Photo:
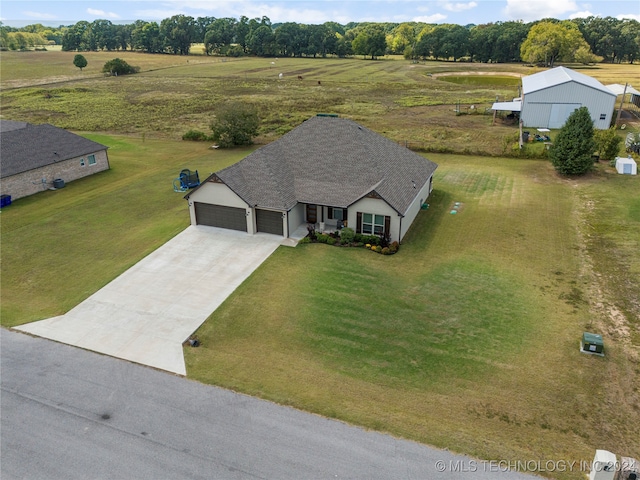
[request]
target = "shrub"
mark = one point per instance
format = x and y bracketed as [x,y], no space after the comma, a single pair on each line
[236,123]
[386,251]
[331,241]
[385,240]
[358,237]
[359,244]
[305,240]
[608,143]
[118,66]
[347,235]
[195,136]
[371,239]
[323,237]
[394,247]
[378,249]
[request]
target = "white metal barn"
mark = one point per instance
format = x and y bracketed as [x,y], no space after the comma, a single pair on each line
[549,98]
[626,166]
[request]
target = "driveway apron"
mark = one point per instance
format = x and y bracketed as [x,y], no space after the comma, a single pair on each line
[145,314]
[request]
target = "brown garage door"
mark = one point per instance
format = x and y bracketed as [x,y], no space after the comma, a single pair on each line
[268,221]
[221,216]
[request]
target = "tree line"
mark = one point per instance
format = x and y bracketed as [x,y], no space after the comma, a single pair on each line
[585,40]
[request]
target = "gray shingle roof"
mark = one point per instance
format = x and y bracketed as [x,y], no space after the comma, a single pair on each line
[24,147]
[328,161]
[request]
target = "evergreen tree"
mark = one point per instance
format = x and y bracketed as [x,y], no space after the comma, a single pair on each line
[571,151]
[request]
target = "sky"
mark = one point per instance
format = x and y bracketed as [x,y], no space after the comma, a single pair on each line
[18,13]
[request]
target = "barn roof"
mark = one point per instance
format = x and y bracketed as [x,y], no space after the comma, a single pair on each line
[24,146]
[619,89]
[328,161]
[558,76]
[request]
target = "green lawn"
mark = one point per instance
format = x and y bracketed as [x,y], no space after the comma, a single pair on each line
[59,247]
[466,339]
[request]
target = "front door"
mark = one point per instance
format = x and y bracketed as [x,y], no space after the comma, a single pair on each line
[312,213]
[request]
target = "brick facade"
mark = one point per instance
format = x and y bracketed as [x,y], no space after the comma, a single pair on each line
[31,181]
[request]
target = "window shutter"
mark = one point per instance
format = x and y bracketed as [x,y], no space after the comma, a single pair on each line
[387,225]
[330,213]
[359,222]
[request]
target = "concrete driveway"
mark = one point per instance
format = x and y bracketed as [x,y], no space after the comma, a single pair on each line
[146,313]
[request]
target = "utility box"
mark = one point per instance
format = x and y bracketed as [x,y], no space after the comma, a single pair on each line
[626,166]
[629,469]
[592,343]
[604,466]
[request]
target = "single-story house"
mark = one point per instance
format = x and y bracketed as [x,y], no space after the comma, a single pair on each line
[549,97]
[626,166]
[327,172]
[32,157]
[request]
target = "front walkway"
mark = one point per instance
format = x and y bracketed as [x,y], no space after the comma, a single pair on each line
[146,313]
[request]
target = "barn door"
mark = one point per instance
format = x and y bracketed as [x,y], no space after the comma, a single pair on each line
[560,112]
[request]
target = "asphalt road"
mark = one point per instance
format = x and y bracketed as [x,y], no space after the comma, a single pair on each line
[68,413]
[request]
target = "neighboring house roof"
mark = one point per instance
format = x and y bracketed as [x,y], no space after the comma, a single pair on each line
[25,147]
[619,89]
[558,76]
[8,125]
[328,161]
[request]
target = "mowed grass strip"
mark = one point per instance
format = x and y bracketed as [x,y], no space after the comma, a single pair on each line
[59,247]
[466,339]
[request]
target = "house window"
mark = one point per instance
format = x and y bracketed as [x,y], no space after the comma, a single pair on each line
[92,159]
[336,214]
[372,224]
[603,116]
[82,162]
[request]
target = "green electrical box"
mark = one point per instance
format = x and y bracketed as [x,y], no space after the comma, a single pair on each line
[592,343]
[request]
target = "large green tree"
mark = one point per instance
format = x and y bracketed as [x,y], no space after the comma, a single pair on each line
[497,42]
[178,33]
[572,150]
[235,124]
[371,40]
[549,41]
[145,36]
[219,35]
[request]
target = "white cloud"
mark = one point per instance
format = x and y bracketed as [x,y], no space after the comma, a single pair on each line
[528,10]
[40,15]
[102,14]
[584,14]
[277,12]
[435,18]
[630,16]
[459,7]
